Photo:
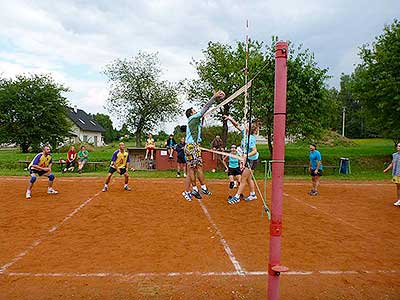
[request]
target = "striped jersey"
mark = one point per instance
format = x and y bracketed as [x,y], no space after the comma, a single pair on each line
[120,159]
[41,160]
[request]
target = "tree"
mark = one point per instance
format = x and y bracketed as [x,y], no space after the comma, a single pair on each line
[218,70]
[138,96]
[33,111]
[222,69]
[111,134]
[377,81]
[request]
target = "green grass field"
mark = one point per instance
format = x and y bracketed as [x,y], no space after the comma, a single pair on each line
[368,158]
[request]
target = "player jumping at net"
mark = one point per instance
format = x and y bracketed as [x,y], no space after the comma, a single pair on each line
[41,166]
[120,164]
[395,166]
[250,157]
[193,152]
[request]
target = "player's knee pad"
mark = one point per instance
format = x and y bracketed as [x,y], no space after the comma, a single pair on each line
[231,184]
[51,177]
[33,179]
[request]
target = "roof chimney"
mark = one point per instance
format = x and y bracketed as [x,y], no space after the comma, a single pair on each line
[75,109]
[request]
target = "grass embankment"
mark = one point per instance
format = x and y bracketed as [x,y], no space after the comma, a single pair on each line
[368,158]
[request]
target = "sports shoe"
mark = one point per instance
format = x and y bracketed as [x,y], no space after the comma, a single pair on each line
[233,200]
[250,198]
[311,192]
[196,194]
[52,191]
[314,193]
[206,192]
[105,189]
[187,196]
[178,175]
[397,203]
[127,188]
[184,175]
[28,195]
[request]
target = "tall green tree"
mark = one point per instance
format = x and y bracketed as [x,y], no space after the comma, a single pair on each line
[138,96]
[111,134]
[222,68]
[377,81]
[33,111]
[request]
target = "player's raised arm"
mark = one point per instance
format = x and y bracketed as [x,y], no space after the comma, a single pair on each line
[218,95]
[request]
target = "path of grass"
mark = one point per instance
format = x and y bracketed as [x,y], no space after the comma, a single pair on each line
[368,158]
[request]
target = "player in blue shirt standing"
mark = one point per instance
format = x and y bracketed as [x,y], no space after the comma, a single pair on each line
[315,169]
[395,166]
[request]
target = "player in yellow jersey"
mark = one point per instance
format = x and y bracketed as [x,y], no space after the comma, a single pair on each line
[39,166]
[120,164]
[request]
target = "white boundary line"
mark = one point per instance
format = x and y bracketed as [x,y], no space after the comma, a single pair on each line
[361,232]
[322,211]
[201,274]
[50,231]
[235,262]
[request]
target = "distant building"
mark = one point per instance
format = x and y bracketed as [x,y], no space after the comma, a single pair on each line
[85,128]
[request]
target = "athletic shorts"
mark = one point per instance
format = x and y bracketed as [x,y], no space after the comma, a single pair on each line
[319,173]
[150,148]
[396,179]
[234,171]
[121,170]
[252,164]
[70,164]
[181,160]
[193,155]
[40,173]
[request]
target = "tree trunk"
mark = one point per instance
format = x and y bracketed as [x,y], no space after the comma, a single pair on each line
[225,126]
[138,134]
[269,139]
[24,147]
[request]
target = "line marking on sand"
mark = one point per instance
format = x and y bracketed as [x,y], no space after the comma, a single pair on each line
[49,232]
[235,262]
[205,274]
[361,231]
[324,212]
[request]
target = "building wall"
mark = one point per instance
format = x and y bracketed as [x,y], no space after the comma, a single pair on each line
[87,136]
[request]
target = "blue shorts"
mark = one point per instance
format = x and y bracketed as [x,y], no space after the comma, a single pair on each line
[34,171]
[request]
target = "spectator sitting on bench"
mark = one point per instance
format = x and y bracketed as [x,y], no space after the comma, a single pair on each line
[171,144]
[71,160]
[83,157]
[150,145]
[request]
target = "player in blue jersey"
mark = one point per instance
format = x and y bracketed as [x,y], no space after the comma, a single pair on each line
[234,168]
[41,166]
[315,169]
[395,166]
[250,158]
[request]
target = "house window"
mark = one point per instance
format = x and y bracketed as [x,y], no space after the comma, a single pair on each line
[93,122]
[85,139]
[80,120]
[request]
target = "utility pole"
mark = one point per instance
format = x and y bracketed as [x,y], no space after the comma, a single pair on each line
[343,119]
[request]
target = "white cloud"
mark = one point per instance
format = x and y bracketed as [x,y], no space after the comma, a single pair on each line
[75,39]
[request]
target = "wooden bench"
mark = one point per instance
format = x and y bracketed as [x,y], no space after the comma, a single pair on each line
[95,164]
[62,163]
[305,167]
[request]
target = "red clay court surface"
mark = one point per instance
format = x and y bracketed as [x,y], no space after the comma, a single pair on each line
[152,244]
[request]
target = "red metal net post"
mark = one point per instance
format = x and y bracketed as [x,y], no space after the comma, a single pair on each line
[278,159]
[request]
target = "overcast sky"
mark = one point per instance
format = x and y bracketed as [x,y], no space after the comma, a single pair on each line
[74,40]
